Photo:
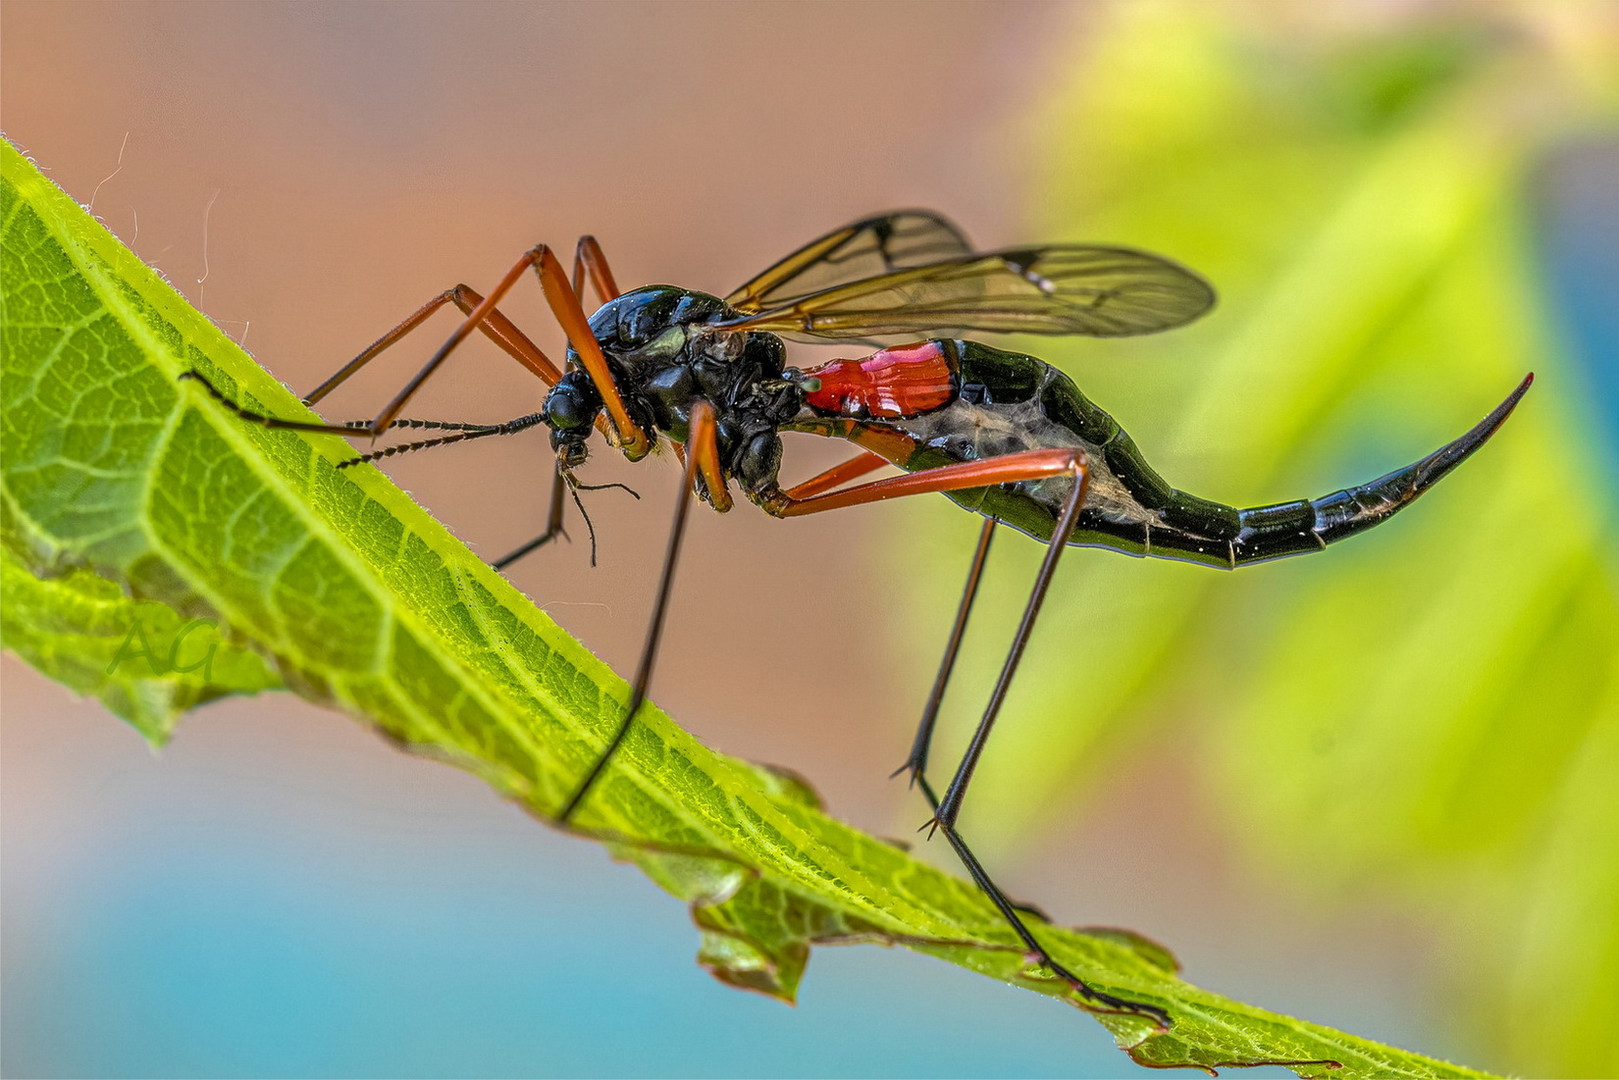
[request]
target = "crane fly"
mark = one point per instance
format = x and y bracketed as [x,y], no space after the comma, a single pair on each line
[1000,433]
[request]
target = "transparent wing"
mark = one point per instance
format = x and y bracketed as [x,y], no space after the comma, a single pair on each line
[865,249]
[1055,289]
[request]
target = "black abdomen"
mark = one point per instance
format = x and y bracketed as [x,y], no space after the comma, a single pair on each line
[1011,402]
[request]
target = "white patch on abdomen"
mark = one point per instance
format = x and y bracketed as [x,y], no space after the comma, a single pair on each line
[968,432]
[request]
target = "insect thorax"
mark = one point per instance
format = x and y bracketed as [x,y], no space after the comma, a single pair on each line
[666,354]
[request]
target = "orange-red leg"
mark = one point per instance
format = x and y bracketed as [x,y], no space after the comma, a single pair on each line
[588,259]
[565,306]
[840,473]
[483,315]
[1010,469]
[703,452]
[497,327]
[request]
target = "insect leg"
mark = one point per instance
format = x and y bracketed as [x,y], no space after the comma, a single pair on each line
[588,257]
[553,523]
[497,327]
[945,812]
[950,806]
[1007,469]
[841,473]
[808,496]
[1011,468]
[564,303]
[1104,1001]
[917,763]
[703,452]
[702,435]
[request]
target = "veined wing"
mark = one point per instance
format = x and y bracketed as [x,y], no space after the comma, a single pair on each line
[1054,289]
[865,249]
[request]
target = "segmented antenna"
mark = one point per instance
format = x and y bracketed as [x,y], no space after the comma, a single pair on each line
[461,433]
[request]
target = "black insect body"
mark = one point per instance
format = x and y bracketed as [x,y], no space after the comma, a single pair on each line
[666,354]
[1006,403]
[1001,433]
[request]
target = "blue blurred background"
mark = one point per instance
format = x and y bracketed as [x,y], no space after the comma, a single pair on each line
[233,909]
[280,893]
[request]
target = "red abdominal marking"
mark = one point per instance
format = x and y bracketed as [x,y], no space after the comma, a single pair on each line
[906,380]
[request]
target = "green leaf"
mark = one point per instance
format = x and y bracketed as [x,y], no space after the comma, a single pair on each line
[146,662]
[127,492]
[1415,716]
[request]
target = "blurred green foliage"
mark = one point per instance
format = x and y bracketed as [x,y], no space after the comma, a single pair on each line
[1426,717]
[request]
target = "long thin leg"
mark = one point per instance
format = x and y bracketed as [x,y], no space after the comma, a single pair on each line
[1007,469]
[945,812]
[917,763]
[702,418]
[565,306]
[1026,465]
[950,805]
[1011,913]
[497,327]
[588,258]
[1011,468]
[840,473]
[553,523]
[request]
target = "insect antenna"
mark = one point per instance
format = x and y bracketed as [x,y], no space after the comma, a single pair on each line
[459,433]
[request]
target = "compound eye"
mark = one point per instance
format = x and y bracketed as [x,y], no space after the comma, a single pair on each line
[571,405]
